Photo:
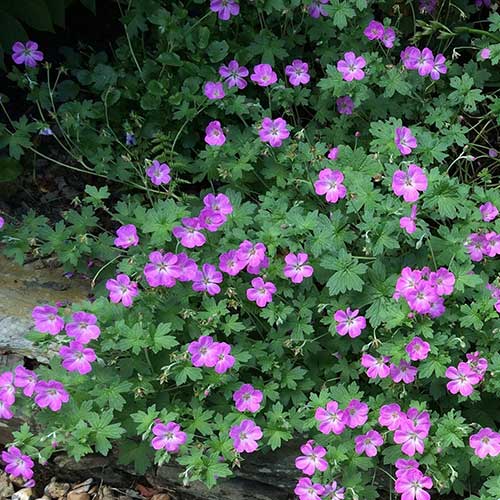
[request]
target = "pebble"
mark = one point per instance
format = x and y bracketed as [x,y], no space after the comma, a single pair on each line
[72,495]
[55,489]
[24,494]
[6,488]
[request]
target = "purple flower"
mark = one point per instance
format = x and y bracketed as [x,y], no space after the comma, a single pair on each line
[332,492]
[330,419]
[485,53]
[126,236]
[475,246]
[349,323]
[130,139]
[207,280]
[427,6]
[333,154]
[418,349]
[214,136]
[409,224]
[409,184]
[159,173]
[162,269]
[311,459]
[168,437]
[214,90]
[122,290]
[26,379]
[224,360]
[411,437]
[245,436]
[297,72]
[296,268]
[263,75]
[18,465]
[246,398]
[462,379]
[50,394]
[368,443]
[203,351]
[218,203]
[438,67]
[410,56]
[443,281]
[251,255]
[404,372]
[345,105]
[389,37]
[403,466]
[261,292]
[356,414]
[425,62]
[210,220]
[28,54]
[46,319]
[2,222]
[225,8]
[351,67]
[187,267]
[390,416]
[5,410]
[83,327]
[7,388]
[274,132]
[485,443]
[77,358]
[404,140]
[234,74]
[230,264]
[316,8]
[488,211]
[374,30]
[412,485]
[376,367]
[330,184]
[189,233]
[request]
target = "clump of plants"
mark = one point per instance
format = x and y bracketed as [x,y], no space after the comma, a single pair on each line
[293,234]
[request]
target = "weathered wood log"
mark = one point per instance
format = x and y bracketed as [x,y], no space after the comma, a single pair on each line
[261,477]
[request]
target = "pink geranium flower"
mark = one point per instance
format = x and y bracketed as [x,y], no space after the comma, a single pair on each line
[207,280]
[488,211]
[296,268]
[330,419]
[77,358]
[210,220]
[247,398]
[349,323]
[50,394]
[250,254]
[261,292]
[351,67]
[168,437]
[46,319]
[159,173]
[411,437]
[389,37]
[356,414]
[345,105]
[374,30]
[2,222]
[311,459]
[274,132]
[26,379]
[417,349]
[219,203]
[462,379]
[245,436]
[376,367]
[297,72]
[203,351]
[307,490]
[187,267]
[224,359]
[230,264]
[330,184]
[368,443]
[5,411]
[391,416]
[225,8]
[333,154]
[409,184]
[403,466]
[28,54]
[126,236]
[7,388]
[214,135]
[122,290]
[443,281]
[438,67]
[412,485]
[214,90]
[18,465]
[404,372]
[234,74]
[83,327]
[404,140]
[263,75]
[485,443]
[316,8]
[162,269]
[189,233]
[409,224]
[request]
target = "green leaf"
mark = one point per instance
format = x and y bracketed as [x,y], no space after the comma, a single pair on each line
[347,273]
[217,51]
[161,339]
[34,13]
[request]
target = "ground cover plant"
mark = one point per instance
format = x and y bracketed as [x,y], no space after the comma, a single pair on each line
[291,231]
